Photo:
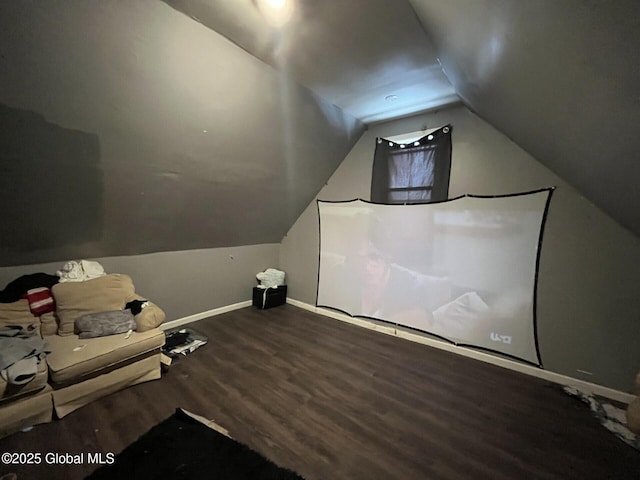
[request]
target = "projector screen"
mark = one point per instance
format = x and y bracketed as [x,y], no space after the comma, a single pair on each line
[463,270]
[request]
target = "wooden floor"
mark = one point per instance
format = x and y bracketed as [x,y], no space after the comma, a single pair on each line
[335,401]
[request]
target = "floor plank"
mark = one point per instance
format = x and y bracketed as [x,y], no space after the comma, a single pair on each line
[334,401]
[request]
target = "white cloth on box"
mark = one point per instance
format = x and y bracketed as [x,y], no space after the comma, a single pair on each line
[270,278]
[264,296]
[80,271]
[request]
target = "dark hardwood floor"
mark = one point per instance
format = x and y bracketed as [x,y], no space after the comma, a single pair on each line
[334,401]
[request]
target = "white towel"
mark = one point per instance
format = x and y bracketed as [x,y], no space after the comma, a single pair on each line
[80,271]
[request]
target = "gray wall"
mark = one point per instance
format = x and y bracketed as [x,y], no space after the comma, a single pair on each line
[130,128]
[182,283]
[589,279]
[560,78]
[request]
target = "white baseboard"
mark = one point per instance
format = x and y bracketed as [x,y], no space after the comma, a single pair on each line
[558,378]
[209,313]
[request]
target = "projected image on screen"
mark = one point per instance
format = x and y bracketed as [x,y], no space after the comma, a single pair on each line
[463,270]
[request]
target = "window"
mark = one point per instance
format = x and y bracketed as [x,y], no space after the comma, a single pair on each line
[413,172]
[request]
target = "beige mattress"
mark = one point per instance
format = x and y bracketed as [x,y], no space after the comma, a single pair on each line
[74,359]
[9,391]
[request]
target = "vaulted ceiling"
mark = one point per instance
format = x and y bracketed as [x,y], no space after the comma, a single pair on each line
[353,54]
[168,118]
[561,78]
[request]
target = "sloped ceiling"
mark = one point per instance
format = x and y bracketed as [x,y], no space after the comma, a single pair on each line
[353,54]
[561,78]
[133,127]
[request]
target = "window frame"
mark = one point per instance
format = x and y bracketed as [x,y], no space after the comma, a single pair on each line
[438,139]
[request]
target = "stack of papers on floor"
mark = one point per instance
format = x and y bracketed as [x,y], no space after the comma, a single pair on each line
[182,342]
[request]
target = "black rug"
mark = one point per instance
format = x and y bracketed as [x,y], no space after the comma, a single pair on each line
[182,447]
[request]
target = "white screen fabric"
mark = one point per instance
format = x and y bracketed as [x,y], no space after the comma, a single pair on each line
[463,270]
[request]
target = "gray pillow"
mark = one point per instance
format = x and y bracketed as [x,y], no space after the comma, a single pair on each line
[104,323]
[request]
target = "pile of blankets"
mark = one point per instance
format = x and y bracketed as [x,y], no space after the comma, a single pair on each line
[19,287]
[21,348]
[80,271]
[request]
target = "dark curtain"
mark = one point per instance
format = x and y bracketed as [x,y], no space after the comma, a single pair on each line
[415,172]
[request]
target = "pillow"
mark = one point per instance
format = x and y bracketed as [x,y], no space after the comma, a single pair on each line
[17,313]
[102,324]
[40,301]
[48,324]
[149,317]
[103,294]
